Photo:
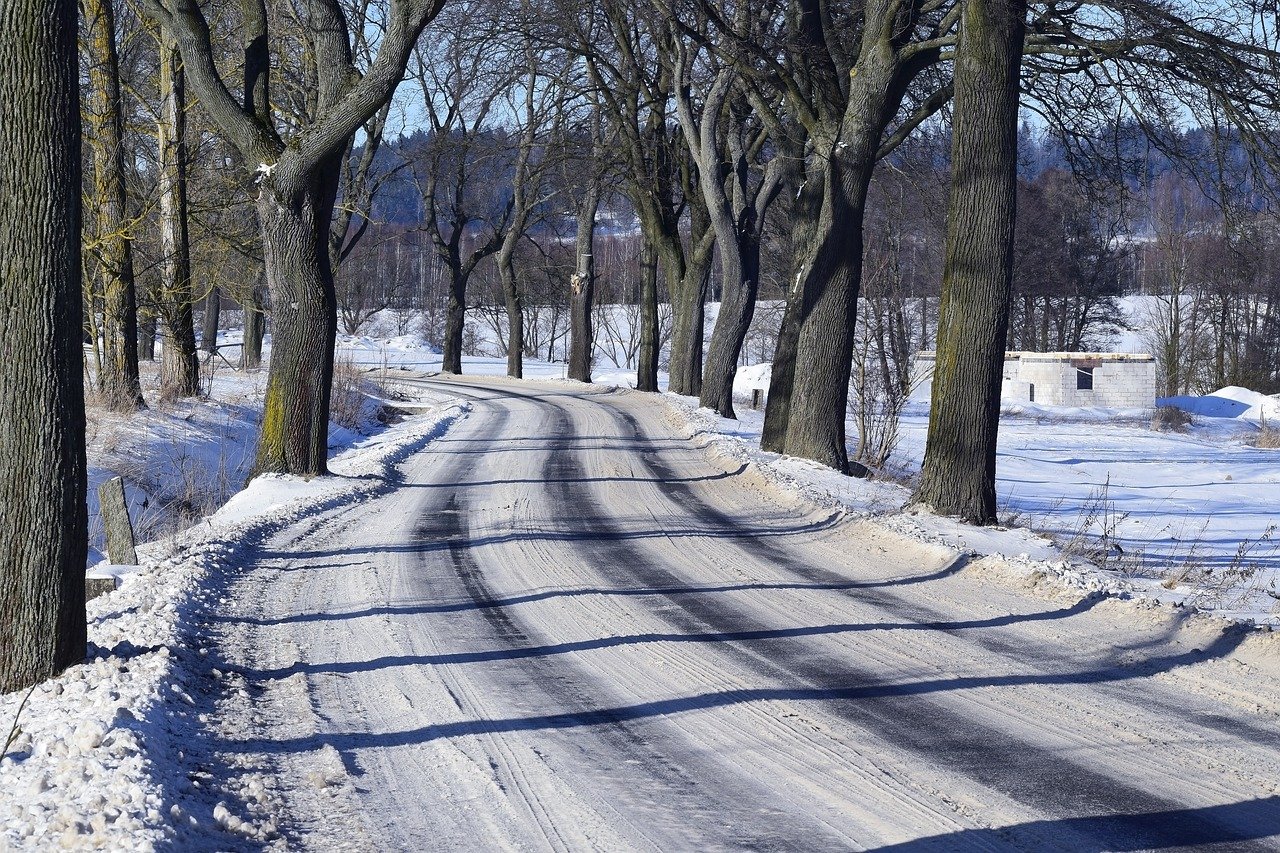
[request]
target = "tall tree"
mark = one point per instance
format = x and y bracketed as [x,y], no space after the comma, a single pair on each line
[462,77]
[180,365]
[297,186]
[582,284]
[726,139]
[43,521]
[959,472]
[119,381]
[630,58]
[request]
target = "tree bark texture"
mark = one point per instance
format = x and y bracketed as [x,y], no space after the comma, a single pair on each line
[295,213]
[777,408]
[812,394]
[959,472]
[213,317]
[514,302]
[582,288]
[297,184]
[688,291]
[828,301]
[740,282]
[454,322]
[647,363]
[119,381]
[255,327]
[43,520]
[180,364]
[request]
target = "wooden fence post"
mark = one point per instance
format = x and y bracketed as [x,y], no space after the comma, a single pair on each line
[115,521]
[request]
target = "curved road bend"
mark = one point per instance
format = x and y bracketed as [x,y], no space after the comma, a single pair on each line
[569,630]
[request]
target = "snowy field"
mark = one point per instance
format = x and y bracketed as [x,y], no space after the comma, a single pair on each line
[1183,518]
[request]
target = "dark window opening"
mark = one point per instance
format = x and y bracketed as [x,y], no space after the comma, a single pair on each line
[1031,393]
[1084,378]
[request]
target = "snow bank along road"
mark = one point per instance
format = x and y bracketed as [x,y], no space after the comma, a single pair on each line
[569,628]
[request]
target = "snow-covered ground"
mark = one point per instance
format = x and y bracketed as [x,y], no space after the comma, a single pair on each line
[103,754]
[1186,517]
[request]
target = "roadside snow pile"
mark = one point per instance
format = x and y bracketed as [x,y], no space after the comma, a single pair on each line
[401,351]
[101,759]
[179,460]
[1230,402]
[751,377]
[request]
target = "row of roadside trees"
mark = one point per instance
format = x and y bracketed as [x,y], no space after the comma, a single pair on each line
[704,114]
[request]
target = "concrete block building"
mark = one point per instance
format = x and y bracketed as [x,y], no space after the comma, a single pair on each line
[1106,379]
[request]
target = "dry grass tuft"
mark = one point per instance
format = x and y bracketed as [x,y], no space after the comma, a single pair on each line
[1268,437]
[1170,419]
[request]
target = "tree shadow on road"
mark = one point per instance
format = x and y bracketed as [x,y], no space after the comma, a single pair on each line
[1225,827]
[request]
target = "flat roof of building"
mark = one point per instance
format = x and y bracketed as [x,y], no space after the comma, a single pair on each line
[1059,356]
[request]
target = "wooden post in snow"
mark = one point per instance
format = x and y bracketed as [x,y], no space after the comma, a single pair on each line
[115,521]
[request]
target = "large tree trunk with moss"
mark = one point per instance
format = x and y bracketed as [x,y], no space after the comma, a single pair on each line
[43,522]
[295,217]
[180,363]
[647,366]
[582,287]
[959,472]
[119,381]
[297,181]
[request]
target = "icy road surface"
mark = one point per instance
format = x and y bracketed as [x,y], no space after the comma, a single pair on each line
[570,630]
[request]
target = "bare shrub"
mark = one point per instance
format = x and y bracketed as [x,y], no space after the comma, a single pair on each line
[1268,437]
[1170,419]
[351,390]
[1095,534]
[1231,583]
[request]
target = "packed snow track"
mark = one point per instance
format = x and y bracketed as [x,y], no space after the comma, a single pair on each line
[568,628]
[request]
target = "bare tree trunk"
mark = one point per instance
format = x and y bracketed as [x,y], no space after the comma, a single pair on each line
[582,288]
[119,379]
[146,330]
[514,306]
[647,366]
[740,281]
[212,319]
[180,365]
[827,306]
[454,322]
[959,472]
[297,180]
[43,523]
[688,292]
[255,328]
[295,230]
[777,410]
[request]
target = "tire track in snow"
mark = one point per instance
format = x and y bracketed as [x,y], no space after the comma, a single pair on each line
[1040,778]
[681,789]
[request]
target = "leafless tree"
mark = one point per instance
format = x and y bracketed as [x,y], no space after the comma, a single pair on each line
[42,474]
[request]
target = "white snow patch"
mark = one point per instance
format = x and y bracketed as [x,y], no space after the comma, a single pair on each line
[99,754]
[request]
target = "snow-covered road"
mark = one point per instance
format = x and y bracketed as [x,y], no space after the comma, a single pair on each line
[569,628]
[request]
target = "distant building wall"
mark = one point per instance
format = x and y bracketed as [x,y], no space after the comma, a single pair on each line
[1109,380]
